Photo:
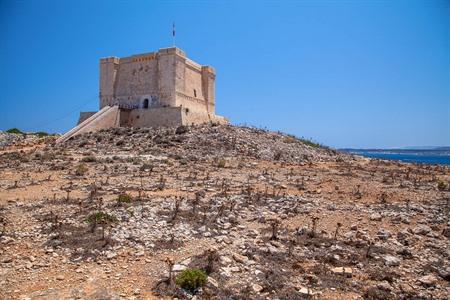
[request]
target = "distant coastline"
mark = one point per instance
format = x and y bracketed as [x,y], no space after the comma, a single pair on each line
[427,155]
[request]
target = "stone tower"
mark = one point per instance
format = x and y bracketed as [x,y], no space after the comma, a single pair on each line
[162,88]
[166,78]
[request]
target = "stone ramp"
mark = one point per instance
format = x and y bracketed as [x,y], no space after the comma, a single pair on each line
[107,117]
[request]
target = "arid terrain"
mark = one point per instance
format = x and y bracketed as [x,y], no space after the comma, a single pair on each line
[119,214]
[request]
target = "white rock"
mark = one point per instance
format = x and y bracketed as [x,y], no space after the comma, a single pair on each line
[391,261]
[257,288]
[428,280]
[110,254]
[178,268]
[375,217]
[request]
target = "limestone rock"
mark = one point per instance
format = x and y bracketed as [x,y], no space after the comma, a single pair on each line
[345,271]
[428,280]
[421,229]
[375,217]
[391,261]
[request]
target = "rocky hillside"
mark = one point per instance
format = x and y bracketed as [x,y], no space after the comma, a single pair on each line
[205,142]
[217,212]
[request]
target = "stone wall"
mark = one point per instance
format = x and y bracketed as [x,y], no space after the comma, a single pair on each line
[156,117]
[166,116]
[157,79]
[193,118]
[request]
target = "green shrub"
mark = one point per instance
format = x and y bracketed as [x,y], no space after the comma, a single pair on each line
[191,279]
[308,142]
[41,133]
[221,163]
[441,185]
[101,218]
[81,170]
[311,143]
[89,159]
[14,131]
[290,139]
[124,198]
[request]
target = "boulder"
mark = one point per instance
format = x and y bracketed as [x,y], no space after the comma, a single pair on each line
[375,217]
[347,272]
[428,280]
[422,229]
[391,261]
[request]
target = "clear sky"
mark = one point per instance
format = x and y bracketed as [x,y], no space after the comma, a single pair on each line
[345,73]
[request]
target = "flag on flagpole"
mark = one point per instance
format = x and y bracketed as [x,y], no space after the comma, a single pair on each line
[173,29]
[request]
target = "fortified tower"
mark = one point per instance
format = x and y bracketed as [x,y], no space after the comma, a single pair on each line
[162,88]
[166,78]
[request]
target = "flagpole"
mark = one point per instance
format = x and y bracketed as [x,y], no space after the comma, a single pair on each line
[173,34]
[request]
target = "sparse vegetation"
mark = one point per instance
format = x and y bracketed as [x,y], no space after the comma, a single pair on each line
[41,134]
[441,185]
[81,170]
[89,159]
[221,163]
[257,217]
[124,199]
[103,219]
[14,131]
[191,279]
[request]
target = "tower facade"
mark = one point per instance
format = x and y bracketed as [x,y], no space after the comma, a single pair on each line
[162,88]
[166,78]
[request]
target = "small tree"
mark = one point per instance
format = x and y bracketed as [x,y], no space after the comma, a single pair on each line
[369,247]
[176,208]
[291,245]
[314,225]
[196,200]
[169,262]
[103,219]
[338,225]
[68,194]
[383,198]
[211,256]
[274,225]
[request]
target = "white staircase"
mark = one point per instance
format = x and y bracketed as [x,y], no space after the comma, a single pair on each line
[107,117]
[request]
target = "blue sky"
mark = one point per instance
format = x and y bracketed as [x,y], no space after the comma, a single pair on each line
[345,73]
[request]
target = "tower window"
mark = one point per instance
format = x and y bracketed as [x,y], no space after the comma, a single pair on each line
[195,93]
[145,103]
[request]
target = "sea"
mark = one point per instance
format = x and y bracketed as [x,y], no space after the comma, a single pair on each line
[433,157]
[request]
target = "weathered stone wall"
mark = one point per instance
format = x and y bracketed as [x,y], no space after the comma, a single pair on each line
[156,117]
[162,88]
[193,80]
[193,118]
[137,80]
[108,72]
[209,90]
[166,116]
[157,79]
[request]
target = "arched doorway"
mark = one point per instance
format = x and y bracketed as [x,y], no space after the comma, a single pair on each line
[145,103]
